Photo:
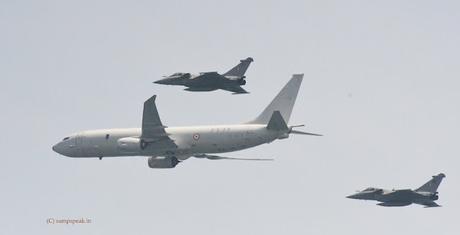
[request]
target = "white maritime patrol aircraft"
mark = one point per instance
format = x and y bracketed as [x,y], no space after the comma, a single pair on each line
[168,146]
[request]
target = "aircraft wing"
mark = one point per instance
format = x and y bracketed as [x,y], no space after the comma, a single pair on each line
[235,89]
[153,130]
[400,194]
[215,157]
[429,204]
[217,81]
[208,79]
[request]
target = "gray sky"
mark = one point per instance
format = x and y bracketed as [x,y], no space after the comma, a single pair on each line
[381,82]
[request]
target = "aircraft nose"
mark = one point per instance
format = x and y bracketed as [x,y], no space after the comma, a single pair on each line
[163,81]
[61,148]
[353,196]
[57,148]
[171,80]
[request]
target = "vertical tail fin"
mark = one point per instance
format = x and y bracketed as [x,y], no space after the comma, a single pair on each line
[432,185]
[239,70]
[283,102]
[277,123]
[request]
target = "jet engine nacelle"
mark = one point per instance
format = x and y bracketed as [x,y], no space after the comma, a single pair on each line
[163,162]
[129,144]
[434,197]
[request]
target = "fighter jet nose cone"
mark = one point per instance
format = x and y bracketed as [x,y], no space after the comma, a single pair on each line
[353,196]
[165,81]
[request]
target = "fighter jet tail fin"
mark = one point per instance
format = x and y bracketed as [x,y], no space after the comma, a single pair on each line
[432,185]
[239,70]
[283,102]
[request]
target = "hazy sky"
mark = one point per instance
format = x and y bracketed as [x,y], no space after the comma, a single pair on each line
[381,83]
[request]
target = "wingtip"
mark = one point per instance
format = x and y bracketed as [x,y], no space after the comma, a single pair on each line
[442,175]
[250,59]
[298,75]
[151,99]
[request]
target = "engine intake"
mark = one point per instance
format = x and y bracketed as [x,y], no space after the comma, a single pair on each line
[163,162]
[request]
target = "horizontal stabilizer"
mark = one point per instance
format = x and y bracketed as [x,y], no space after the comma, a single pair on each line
[303,133]
[292,131]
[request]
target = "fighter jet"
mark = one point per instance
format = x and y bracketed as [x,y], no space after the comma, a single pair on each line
[210,81]
[168,146]
[425,195]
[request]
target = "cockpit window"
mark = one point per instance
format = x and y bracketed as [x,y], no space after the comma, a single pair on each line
[369,189]
[177,74]
[66,138]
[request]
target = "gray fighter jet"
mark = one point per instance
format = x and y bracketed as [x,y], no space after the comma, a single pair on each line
[425,195]
[210,81]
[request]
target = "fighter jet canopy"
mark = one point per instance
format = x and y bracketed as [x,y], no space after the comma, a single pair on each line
[369,189]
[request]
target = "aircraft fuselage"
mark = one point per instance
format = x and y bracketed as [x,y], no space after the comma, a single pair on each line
[188,141]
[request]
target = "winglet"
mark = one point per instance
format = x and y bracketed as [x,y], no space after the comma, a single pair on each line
[151,123]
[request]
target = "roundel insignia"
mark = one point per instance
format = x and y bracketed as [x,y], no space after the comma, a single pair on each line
[196,136]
